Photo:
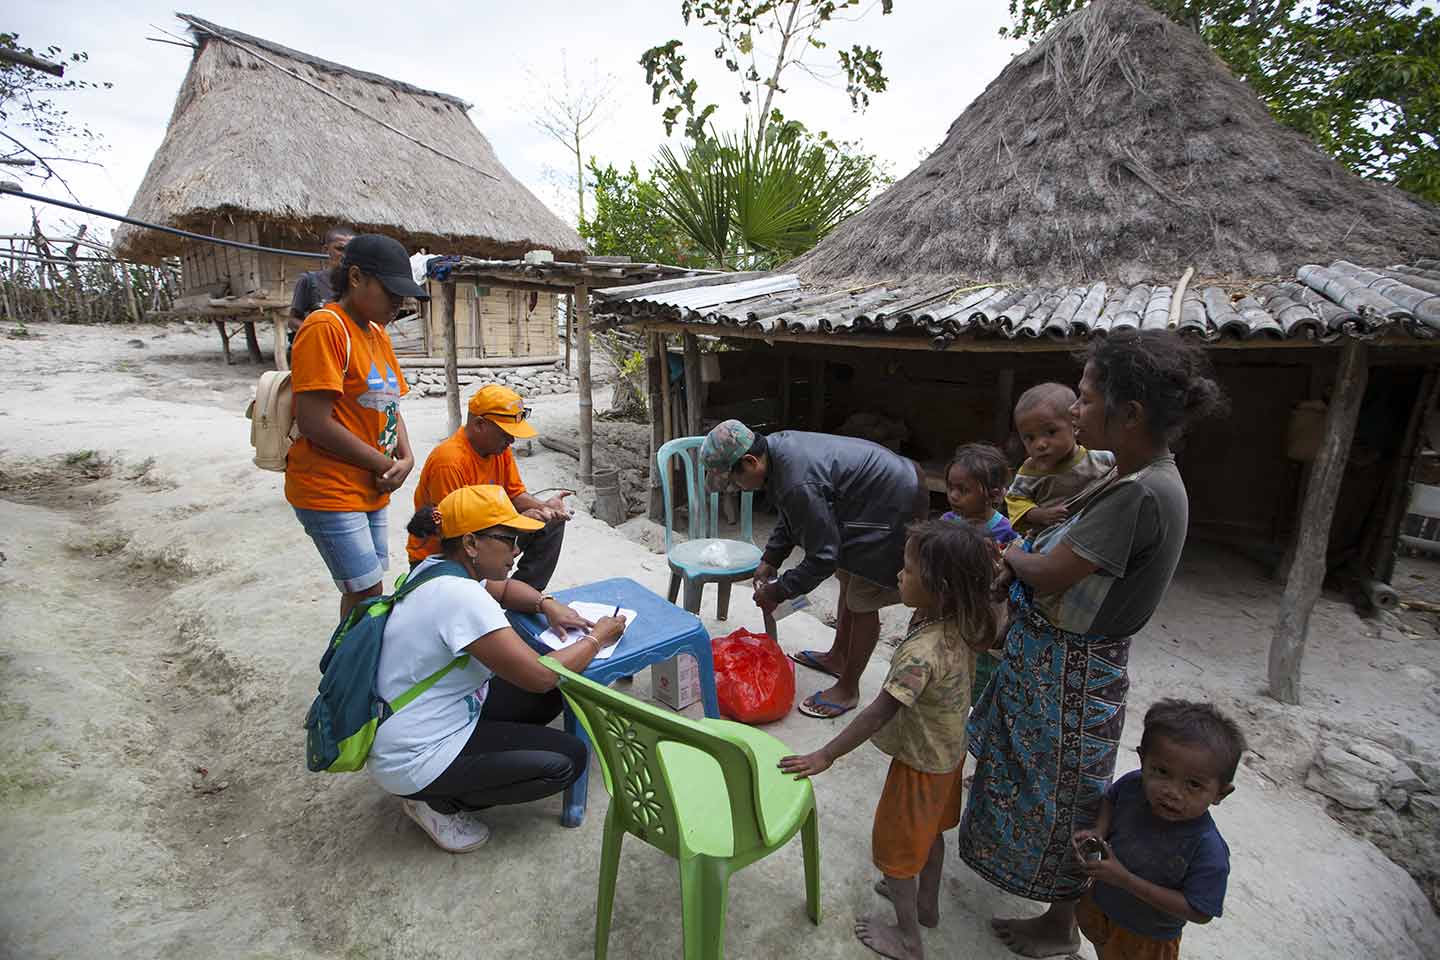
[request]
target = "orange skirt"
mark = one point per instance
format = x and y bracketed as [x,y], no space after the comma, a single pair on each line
[1114,942]
[915,808]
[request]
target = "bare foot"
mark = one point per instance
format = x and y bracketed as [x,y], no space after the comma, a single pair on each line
[927,913]
[1037,936]
[887,940]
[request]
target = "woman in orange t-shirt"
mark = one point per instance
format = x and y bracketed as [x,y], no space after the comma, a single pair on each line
[353,449]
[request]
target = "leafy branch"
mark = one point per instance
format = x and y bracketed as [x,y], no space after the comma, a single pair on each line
[743,28]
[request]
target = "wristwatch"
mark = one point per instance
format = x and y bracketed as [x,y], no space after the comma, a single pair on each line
[541,602]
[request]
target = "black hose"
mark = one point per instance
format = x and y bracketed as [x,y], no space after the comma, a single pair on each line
[11,190]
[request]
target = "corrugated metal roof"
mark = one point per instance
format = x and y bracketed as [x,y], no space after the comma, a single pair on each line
[1318,304]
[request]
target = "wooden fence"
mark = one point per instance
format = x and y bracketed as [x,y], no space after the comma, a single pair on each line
[78,280]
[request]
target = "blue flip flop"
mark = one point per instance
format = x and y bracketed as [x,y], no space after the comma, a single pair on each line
[813,701]
[807,658]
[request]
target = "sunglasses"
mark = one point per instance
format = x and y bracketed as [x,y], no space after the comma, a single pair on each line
[524,414]
[512,540]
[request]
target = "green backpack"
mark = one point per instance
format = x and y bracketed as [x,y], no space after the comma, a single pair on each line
[342,721]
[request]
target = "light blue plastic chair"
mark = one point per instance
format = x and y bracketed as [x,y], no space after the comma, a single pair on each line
[687,565]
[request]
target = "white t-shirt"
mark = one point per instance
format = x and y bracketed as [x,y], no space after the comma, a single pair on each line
[427,630]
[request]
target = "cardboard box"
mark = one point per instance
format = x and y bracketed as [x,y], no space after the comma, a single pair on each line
[676,682]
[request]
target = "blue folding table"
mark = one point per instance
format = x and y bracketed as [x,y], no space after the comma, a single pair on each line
[660,631]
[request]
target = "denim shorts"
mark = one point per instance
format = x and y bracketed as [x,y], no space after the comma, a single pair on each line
[355,546]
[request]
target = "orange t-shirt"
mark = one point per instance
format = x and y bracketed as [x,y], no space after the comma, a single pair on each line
[368,405]
[452,465]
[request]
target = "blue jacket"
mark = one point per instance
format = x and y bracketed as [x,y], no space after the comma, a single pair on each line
[845,502]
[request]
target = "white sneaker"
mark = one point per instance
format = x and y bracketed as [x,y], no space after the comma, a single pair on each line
[452,832]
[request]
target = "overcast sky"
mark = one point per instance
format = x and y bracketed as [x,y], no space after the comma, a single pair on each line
[939,55]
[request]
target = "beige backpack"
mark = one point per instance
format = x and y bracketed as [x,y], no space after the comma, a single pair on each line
[272,413]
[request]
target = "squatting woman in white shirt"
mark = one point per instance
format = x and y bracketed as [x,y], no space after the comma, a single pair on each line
[478,737]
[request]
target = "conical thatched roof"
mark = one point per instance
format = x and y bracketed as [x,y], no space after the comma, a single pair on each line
[1119,147]
[250,140]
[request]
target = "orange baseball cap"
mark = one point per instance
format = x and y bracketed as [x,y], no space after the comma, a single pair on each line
[503,407]
[480,507]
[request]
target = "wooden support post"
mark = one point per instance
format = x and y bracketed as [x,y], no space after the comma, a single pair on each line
[667,409]
[587,400]
[817,395]
[1004,403]
[452,372]
[657,377]
[132,306]
[693,387]
[282,361]
[252,343]
[1397,497]
[1307,569]
[784,392]
[569,327]
[224,341]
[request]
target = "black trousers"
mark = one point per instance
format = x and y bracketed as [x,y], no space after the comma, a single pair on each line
[512,757]
[540,554]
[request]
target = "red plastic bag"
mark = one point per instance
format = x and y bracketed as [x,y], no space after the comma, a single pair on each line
[754,679]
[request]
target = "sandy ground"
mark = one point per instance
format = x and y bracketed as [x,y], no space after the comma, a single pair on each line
[164,614]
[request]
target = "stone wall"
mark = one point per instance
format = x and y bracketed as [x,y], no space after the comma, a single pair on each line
[532,381]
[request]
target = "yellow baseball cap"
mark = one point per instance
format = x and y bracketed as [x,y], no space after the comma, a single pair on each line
[503,407]
[480,507]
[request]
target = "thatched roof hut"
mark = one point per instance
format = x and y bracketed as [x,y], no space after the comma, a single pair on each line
[1114,177]
[294,143]
[1119,147]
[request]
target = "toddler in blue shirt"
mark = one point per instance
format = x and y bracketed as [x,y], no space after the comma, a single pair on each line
[1162,861]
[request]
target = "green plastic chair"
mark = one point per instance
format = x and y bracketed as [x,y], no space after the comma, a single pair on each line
[706,792]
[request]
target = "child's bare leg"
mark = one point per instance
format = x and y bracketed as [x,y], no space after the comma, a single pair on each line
[1052,933]
[927,898]
[902,940]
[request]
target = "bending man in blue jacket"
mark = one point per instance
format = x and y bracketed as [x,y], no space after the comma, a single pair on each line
[846,503]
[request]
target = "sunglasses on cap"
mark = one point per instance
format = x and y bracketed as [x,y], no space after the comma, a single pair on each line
[511,540]
[520,417]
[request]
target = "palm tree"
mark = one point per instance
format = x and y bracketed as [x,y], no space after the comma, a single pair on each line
[753,203]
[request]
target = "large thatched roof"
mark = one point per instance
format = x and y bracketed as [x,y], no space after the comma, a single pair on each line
[1120,148]
[249,139]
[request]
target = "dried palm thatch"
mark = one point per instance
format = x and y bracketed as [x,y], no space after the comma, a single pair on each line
[249,139]
[1120,147]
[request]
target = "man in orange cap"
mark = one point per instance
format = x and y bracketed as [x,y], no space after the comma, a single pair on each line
[479,453]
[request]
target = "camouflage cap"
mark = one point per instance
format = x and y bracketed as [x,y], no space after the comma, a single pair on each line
[723,447]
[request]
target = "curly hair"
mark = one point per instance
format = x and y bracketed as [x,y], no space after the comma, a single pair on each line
[1170,378]
[1198,725]
[956,564]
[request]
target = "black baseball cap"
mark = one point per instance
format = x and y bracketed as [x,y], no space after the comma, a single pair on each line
[385,259]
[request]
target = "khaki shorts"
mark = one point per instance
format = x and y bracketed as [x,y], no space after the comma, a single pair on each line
[865,596]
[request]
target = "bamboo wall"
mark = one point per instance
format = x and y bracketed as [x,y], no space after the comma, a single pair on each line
[207,268]
[495,322]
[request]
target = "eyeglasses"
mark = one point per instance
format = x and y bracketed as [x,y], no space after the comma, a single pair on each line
[512,540]
[524,414]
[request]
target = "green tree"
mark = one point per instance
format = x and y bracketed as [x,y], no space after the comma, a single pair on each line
[36,131]
[753,203]
[1359,77]
[628,221]
[745,29]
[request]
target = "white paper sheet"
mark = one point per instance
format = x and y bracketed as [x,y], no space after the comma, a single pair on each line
[553,638]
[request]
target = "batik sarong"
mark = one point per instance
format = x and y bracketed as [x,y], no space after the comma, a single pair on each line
[1044,734]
